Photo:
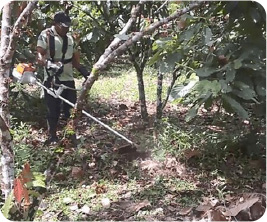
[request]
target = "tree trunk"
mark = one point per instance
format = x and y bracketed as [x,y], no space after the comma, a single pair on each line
[159,108]
[9,36]
[142,95]
[139,68]
[7,158]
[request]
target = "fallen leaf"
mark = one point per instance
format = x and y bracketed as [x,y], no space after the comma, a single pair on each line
[100,188]
[256,211]
[216,215]
[77,172]
[172,209]
[123,107]
[18,190]
[214,201]
[139,205]
[204,207]
[60,177]
[233,211]
[26,173]
[191,153]
[149,165]
[185,211]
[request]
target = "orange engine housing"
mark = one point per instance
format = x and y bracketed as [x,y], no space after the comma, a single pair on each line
[22,67]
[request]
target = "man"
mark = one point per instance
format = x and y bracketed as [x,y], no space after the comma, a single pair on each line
[56,46]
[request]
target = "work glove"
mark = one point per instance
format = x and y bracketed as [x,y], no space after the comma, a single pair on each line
[83,71]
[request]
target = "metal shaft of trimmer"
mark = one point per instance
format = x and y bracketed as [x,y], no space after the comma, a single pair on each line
[87,114]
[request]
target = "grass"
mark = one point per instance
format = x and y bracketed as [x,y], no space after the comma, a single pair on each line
[122,84]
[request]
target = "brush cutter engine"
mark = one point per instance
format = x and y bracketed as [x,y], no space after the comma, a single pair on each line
[25,73]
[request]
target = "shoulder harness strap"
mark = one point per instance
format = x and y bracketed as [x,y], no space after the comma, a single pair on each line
[51,42]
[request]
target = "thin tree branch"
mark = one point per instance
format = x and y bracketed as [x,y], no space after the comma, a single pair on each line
[7,57]
[114,44]
[161,7]
[174,78]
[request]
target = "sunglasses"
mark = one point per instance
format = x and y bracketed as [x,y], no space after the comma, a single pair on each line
[64,25]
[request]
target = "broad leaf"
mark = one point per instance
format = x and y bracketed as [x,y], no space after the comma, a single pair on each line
[154,58]
[246,93]
[208,36]
[261,90]
[205,86]
[191,113]
[225,87]
[180,91]
[237,63]
[236,106]
[38,183]
[161,43]
[205,71]
[8,205]
[230,74]
[168,64]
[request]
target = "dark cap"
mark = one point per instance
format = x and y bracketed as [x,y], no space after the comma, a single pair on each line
[63,18]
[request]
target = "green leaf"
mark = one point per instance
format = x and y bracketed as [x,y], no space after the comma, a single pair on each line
[8,204]
[205,86]
[261,90]
[254,67]
[208,35]
[161,43]
[205,71]
[38,180]
[191,113]
[208,103]
[236,106]
[154,58]
[230,75]
[38,183]
[237,64]
[167,65]
[180,91]
[225,88]
[246,93]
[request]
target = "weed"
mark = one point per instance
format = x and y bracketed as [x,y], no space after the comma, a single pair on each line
[174,141]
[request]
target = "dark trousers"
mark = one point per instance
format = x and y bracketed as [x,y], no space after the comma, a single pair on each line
[54,105]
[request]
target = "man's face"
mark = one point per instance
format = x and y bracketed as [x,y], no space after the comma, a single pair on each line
[61,29]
